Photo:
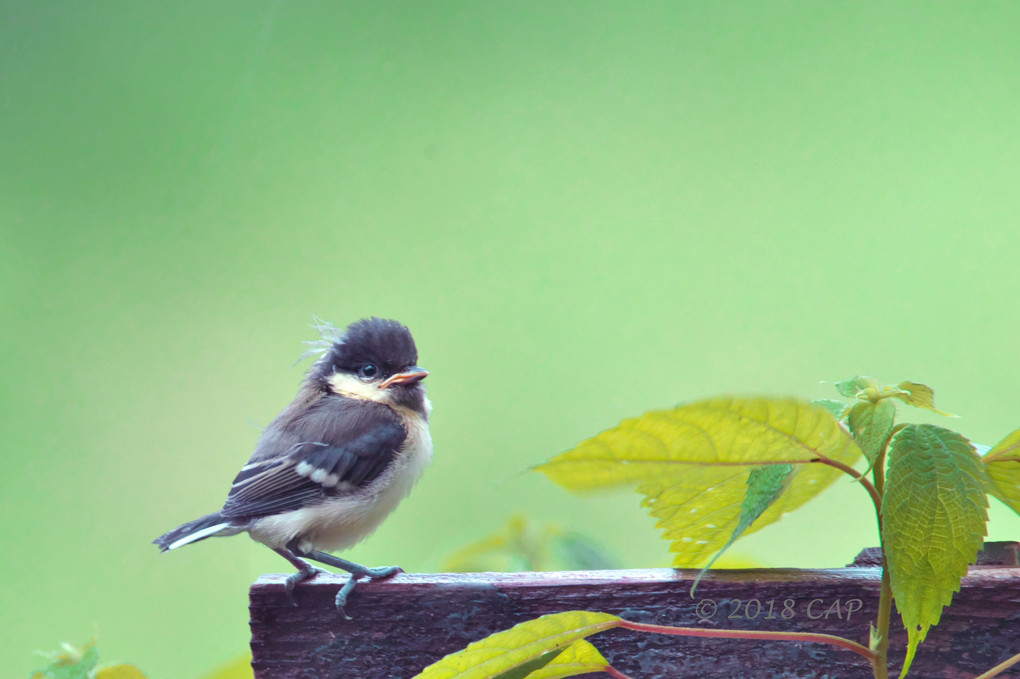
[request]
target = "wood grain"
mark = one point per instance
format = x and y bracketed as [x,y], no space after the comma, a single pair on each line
[405,623]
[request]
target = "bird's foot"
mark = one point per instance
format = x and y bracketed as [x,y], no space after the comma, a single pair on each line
[382,572]
[300,576]
[362,572]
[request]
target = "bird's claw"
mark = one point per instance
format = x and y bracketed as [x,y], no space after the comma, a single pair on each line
[383,572]
[300,576]
[371,574]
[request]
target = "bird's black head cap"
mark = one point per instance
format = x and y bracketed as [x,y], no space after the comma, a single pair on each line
[384,343]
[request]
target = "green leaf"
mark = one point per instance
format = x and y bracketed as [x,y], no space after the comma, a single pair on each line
[70,663]
[837,408]
[934,515]
[764,486]
[523,643]
[918,395]
[871,422]
[1002,463]
[855,385]
[578,658]
[692,464]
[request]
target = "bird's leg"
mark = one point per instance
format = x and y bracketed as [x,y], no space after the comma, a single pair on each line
[306,571]
[355,569]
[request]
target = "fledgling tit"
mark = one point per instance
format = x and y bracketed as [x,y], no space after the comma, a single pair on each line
[336,461]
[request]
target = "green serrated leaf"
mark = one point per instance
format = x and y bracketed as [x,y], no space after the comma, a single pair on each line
[836,408]
[918,395]
[692,463]
[578,658]
[523,643]
[871,423]
[764,486]
[1002,463]
[855,385]
[934,514]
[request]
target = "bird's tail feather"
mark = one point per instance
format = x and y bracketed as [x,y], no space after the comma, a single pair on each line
[193,531]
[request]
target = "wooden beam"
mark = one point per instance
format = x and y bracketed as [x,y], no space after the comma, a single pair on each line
[405,623]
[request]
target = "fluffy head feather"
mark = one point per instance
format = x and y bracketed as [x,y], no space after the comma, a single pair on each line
[384,343]
[329,335]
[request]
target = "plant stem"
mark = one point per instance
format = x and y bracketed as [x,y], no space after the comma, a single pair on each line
[881,661]
[752,634]
[873,490]
[880,664]
[876,494]
[995,671]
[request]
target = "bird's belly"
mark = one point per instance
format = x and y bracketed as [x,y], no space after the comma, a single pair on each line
[341,522]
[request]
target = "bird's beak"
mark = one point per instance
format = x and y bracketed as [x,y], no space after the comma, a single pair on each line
[410,376]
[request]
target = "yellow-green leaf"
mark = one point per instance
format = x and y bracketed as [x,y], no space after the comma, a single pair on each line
[119,671]
[523,545]
[692,464]
[497,552]
[524,670]
[764,485]
[934,514]
[918,395]
[239,668]
[582,553]
[1006,449]
[578,658]
[506,650]
[1003,466]
[871,422]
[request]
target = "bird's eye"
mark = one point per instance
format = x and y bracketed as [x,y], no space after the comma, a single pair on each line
[368,371]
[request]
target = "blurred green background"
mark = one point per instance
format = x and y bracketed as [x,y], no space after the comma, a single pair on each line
[583,210]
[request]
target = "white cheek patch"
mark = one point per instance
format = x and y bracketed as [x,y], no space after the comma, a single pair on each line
[344,384]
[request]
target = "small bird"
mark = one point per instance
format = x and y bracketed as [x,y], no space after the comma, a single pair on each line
[336,461]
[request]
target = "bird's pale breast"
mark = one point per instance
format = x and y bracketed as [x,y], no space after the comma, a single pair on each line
[342,521]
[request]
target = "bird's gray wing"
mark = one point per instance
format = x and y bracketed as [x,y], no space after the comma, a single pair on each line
[336,446]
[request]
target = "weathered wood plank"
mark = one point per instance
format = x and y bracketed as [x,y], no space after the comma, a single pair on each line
[403,624]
